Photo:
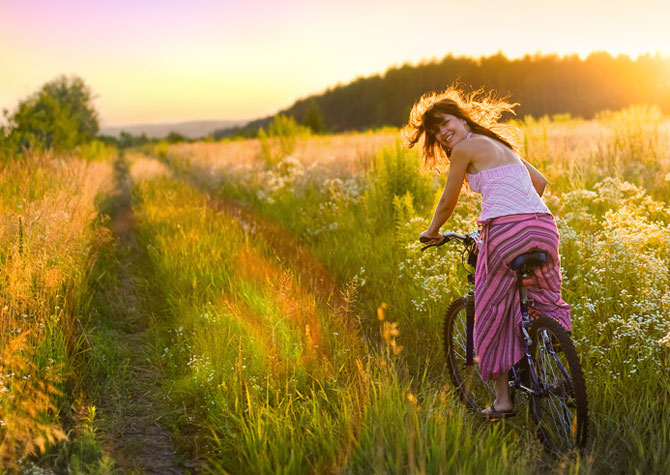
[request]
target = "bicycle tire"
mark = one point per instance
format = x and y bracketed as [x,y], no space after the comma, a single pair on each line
[561,410]
[475,393]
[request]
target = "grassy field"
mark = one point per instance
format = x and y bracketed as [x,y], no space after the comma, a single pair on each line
[50,231]
[294,324]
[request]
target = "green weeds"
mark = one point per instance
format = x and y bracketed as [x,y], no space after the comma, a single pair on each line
[301,332]
[49,235]
[608,189]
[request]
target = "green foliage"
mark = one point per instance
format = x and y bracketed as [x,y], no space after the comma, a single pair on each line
[159,149]
[313,118]
[397,172]
[59,116]
[128,140]
[86,454]
[266,149]
[175,137]
[403,210]
[281,138]
[97,150]
[286,127]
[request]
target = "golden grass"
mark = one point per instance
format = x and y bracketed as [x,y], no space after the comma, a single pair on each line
[26,412]
[143,168]
[569,152]
[293,301]
[47,242]
[606,145]
[393,417]
[345,153]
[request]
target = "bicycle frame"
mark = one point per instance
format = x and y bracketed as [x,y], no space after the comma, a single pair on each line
[548,373]
[526,321]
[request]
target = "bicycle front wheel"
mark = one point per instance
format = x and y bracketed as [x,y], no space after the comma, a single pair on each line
[560,409]
[474,392]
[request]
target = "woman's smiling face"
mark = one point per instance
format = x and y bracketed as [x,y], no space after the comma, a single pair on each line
[450,130]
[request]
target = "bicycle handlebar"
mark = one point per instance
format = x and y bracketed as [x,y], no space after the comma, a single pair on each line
[465,239]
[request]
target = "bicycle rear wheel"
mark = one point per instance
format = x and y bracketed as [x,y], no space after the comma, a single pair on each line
[474,392]
[560,409]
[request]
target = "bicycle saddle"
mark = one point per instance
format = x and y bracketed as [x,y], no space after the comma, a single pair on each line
[530,260]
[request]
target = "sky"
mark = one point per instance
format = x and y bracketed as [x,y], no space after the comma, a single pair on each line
[150,61]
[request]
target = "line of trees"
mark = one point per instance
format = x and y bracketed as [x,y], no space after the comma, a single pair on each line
[542,84]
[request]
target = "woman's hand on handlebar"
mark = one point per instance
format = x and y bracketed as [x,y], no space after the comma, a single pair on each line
[432,238]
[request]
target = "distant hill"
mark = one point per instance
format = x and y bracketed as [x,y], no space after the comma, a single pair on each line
[542,84]
[193,129]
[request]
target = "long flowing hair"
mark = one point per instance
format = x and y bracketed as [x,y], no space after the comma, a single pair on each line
[481,111]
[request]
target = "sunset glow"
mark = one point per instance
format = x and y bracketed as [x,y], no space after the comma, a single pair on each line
[158,61]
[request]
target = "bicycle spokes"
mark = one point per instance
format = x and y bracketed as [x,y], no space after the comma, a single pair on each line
[475,392]
[559,402]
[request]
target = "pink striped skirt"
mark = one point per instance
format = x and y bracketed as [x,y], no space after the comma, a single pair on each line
[497,335]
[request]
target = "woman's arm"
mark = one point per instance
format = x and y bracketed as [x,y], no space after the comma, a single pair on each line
[539,181]
[449,198]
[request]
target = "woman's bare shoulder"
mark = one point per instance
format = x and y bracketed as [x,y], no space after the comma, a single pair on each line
[477,144]
[484,152]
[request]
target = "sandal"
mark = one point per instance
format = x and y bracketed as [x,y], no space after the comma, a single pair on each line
[494,414]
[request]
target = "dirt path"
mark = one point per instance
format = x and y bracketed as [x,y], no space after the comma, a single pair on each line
[131,409]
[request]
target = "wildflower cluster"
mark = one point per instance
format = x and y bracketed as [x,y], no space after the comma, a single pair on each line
[615,247]
[665,341]
[433,276]
[281,177]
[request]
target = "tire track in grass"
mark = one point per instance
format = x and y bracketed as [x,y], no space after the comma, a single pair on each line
[312,302]
[302,291]
[130,404]
[293,254]
[293,301]
[310,275]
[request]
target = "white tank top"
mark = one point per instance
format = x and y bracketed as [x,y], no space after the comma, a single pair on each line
[506,190]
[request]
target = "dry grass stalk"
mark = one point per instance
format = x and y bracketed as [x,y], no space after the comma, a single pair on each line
[47,241]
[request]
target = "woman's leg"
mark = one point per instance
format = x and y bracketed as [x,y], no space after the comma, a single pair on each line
[503,401]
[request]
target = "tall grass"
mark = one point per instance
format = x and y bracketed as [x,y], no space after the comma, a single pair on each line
[609,190]
[328,155]
[301,333]
[281,138]
[241,337]
[48,239]
[266,376]
[630,144]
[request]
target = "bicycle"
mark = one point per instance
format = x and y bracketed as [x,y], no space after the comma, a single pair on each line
[549,374]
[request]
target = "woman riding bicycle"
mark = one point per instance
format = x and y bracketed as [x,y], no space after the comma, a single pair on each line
[462,133]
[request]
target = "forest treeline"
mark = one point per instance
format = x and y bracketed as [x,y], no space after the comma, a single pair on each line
[542,84]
